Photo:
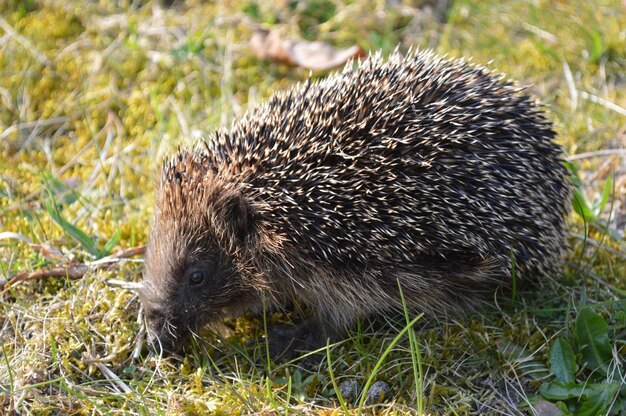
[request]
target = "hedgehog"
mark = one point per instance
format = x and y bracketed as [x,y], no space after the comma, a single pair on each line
[418,174]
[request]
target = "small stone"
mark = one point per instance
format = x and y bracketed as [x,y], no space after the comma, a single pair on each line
[349,390]
[378,392]
[544,408]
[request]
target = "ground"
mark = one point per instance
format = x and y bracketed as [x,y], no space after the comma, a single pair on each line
[95,94]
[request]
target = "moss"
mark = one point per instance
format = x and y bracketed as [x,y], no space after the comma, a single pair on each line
[46,27]
[119,84]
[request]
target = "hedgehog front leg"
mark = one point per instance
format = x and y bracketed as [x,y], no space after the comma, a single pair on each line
[287,342]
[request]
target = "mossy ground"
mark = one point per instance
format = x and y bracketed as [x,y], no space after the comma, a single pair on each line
[94,94]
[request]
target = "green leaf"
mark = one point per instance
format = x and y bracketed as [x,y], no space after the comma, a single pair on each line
[606,192]
[556,390]
[592,332]
[597,404]
[59,190]
[594,406]
[597,47]
[562,361]
[581,206]
[252,10]
[574,178]
[115,238]
[73,231]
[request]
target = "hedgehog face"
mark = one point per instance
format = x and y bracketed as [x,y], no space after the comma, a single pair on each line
[191,276]
[184,289]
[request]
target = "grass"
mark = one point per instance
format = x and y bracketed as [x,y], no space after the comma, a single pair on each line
[94,94]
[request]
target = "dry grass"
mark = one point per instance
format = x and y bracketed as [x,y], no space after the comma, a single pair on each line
[94,94]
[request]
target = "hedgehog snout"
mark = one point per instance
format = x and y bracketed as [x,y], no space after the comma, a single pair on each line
[164,344]
[165,334]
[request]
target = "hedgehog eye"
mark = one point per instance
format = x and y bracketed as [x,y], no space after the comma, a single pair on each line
[196,277]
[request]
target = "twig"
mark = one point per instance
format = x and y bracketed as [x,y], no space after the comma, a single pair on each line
[124,254]
[605,103]
[603,152]
[124,284]
[73,271]
[595,243]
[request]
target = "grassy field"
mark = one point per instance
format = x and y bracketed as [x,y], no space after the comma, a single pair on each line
[93,95]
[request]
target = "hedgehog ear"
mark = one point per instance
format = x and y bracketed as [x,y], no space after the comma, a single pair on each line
[239,215]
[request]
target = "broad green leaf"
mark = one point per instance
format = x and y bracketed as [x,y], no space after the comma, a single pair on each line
[581,206]
[592,333]
[556,390]
[620,406]
[73,231]
[561,391]
[562,361]
[597,404]
[593,406]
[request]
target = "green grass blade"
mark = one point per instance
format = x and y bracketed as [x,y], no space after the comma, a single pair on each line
[342,402]
[9,369]
[380,361]
[606,192]
[416,357]
[115,238]
[74,232]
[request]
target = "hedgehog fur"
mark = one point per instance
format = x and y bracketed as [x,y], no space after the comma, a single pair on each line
[430,174]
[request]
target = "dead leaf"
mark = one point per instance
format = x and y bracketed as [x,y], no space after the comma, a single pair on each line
[318,56]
